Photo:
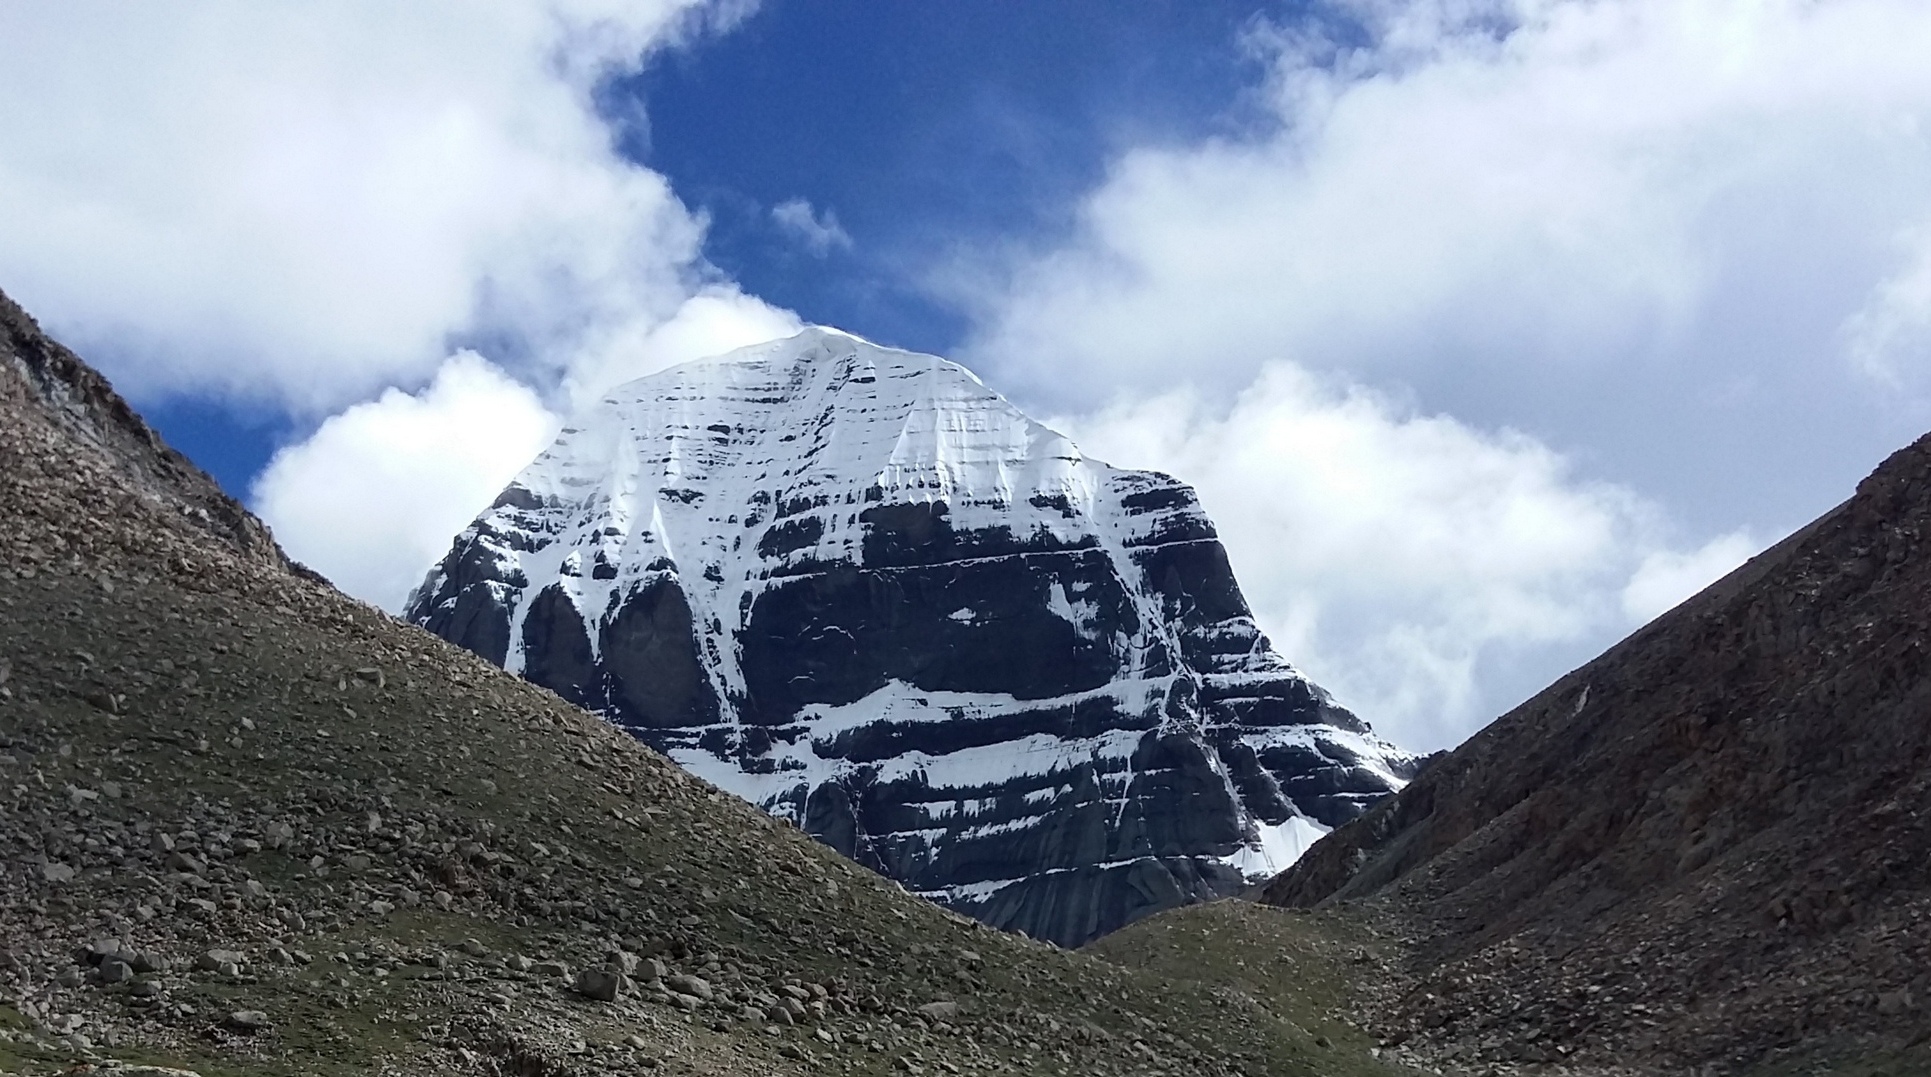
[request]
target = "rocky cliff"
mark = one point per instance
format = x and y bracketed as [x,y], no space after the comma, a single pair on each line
[1709,847]
[860,589]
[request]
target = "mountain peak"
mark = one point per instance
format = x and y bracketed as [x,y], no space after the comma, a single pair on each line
[861,589]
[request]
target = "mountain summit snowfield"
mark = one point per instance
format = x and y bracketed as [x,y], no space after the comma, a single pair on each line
[863,591]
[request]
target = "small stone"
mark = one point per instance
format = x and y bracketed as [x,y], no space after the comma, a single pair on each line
[685,984]
[603,985]
[939,1011]
[222,961]
[246,1021]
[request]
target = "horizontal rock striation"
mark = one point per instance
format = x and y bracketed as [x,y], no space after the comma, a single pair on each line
[863,591]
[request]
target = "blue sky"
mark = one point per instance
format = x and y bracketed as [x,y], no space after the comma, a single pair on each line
[923,128]
[1487,329]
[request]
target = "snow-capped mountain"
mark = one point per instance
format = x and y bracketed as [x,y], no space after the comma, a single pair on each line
[858,588]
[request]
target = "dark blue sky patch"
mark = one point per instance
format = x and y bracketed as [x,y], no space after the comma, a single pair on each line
[926,129]
[232,444]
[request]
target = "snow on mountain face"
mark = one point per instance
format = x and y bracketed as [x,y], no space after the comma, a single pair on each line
[858,588]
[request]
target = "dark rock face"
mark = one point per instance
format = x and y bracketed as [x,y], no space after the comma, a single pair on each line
[1708,846]
[859,589]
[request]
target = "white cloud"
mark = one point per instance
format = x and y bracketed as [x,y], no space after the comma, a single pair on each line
[305,208]
[1890,336]
[373,497]
[1390,554]
[1659,238]
[1620,214]
[1592,178]
[712,322]
[819,232]
[305,205]
[1667,577]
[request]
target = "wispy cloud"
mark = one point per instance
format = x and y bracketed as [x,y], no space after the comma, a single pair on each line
[819,232]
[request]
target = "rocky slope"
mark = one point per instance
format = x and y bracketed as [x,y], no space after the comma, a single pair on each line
[856,587]
[1710,847]
[250,826]
[78,404]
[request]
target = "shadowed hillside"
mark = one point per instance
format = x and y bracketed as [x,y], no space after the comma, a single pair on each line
[1709,847]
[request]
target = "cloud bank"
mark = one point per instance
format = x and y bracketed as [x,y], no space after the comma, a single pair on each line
[1421,569]
[1590,183]
[302,209]
[389,474]
[1676,246]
